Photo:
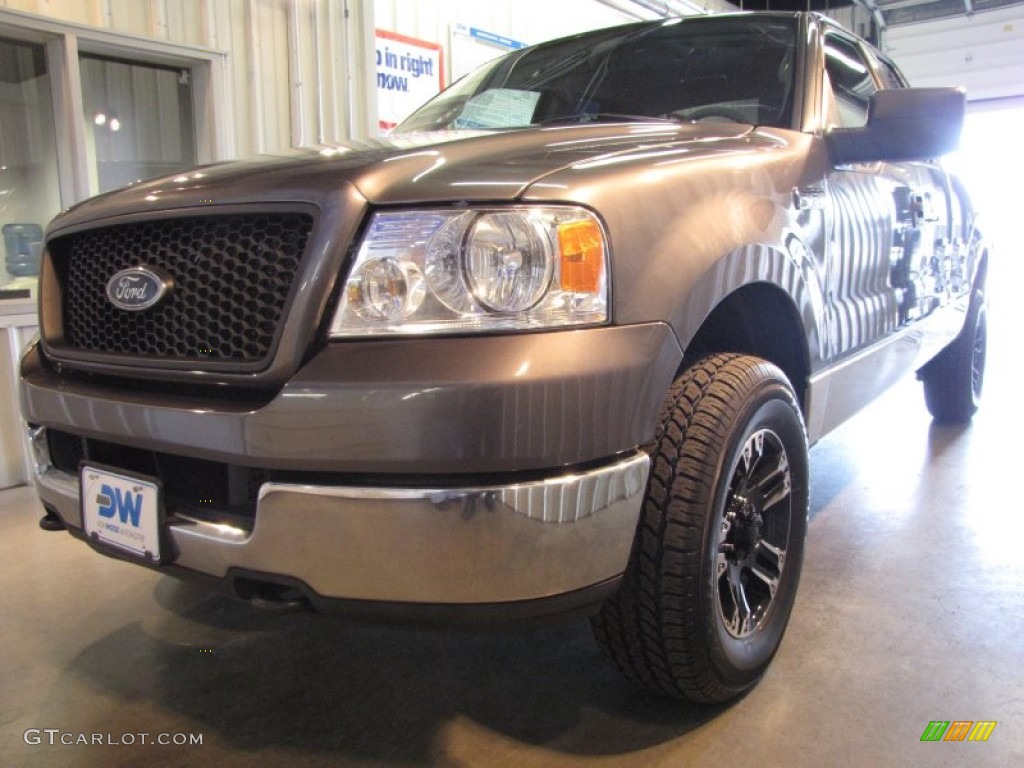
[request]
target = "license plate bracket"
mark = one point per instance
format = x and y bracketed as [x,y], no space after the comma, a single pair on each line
[123,511]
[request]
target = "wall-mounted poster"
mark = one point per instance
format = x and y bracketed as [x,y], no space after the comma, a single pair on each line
[409,71]
[472,47]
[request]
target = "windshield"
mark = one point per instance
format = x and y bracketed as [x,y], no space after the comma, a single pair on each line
[738,69]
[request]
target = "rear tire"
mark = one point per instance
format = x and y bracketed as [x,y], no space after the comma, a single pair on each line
[716,560]
[953,381]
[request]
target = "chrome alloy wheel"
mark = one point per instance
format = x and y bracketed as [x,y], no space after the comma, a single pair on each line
[752,535]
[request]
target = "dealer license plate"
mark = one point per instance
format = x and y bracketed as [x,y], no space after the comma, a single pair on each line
[122,511]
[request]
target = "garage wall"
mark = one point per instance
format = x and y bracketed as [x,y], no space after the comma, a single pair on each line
[283,69]
[983,52]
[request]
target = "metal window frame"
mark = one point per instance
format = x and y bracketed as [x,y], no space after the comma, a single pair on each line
[64,41]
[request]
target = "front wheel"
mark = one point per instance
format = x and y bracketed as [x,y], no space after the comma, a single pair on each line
[716,561]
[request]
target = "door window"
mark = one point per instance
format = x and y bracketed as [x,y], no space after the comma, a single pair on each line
[849,85]
[890,75]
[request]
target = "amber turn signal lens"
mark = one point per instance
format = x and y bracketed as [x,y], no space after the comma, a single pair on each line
[582,249]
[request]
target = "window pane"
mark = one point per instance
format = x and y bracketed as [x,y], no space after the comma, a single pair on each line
[851,81]
[29,190]
[138,120]
[891,76]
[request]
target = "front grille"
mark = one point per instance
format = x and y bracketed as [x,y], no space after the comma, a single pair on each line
[232,278]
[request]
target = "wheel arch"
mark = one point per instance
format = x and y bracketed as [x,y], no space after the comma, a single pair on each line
[981,270]
[737,324]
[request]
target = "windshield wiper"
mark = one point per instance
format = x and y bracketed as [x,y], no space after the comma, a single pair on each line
[601,117]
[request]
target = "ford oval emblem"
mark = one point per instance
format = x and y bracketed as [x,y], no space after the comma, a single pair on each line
[138,288]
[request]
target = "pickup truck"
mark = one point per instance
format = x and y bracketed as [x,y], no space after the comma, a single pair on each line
[556,347]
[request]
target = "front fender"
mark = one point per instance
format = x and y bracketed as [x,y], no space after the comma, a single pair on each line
[789,267]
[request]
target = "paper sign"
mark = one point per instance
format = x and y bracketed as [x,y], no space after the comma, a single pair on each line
[409,72]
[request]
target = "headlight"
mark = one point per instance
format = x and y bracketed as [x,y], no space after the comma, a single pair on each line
[454,271]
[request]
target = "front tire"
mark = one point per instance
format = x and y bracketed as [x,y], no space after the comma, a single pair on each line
[716,561]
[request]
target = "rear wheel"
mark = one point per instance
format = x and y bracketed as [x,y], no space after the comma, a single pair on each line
[953,381]
[717,556]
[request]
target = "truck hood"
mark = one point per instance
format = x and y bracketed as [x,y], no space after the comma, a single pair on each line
[410,169]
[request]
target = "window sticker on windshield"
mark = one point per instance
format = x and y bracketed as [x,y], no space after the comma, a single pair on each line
[498,108]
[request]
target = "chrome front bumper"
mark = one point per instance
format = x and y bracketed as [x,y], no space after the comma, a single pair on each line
[457,546]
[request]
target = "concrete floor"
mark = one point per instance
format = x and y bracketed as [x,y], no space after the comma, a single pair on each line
[911,609]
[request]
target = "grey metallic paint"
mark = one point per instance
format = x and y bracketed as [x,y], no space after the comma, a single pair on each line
[488,404]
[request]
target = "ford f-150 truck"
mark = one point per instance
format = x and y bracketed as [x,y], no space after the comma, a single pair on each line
[555,347]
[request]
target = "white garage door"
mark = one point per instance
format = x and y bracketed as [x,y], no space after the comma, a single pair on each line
[983,52]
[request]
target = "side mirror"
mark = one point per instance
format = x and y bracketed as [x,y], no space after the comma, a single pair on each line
[903,124]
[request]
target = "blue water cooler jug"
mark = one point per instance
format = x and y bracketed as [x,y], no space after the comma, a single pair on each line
[23,244]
